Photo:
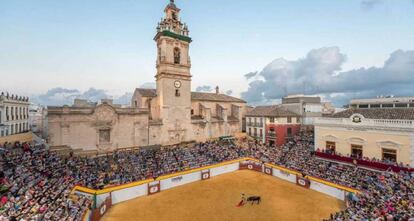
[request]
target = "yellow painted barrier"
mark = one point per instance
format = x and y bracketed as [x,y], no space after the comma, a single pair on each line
[164,177]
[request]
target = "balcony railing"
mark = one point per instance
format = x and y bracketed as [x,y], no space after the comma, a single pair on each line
[271,134]
[387,123]
[255,124]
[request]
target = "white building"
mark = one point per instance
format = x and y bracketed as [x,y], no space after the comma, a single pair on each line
[380,133]
[383,102]
[38,120]
[14,114]
[308,107]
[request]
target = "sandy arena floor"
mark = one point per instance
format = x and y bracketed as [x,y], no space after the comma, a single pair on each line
[216,199]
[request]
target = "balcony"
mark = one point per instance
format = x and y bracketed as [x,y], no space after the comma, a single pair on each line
[271,134]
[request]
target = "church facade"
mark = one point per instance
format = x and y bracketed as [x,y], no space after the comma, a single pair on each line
[167,115]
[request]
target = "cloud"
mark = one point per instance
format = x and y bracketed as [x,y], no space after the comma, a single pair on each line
[250,75]
[204,88]
[370,4]
[229,92]
[63,96]
[320,73]
[124,99]
[148,85]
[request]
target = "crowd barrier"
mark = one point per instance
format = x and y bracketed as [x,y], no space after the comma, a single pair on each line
[364,163]
[121,193]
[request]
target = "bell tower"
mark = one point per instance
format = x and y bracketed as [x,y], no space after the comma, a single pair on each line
[173,74]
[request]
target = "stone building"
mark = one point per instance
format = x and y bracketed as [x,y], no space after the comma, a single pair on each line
[169,114]
[380,133]
[14,114]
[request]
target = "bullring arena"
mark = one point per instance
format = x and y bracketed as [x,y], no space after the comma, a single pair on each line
[213,193]
[216,199]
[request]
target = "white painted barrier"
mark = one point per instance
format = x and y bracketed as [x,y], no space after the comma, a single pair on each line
[284,175]
[224,169]
[328,190]
[119,196]
[170,181]
[101,198]
[180,180]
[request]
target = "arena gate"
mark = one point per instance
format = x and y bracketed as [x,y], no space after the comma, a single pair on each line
[268,170]
[251,165]
[303,182]
[154,187]
[205,174]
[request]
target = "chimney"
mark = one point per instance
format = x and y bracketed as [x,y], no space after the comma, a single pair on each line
[217,90]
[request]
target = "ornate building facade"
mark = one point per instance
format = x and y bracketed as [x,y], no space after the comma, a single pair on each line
[167,115]
[14,114]
[380,133]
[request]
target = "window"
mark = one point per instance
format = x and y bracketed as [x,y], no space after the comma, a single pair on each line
[177,92]
[289,132]
[375,105]
[330,147]
[177,56]
[7,113]
[390,155]
[261,133]
[272,120]
[289,119]
[192,111]
[363,106]
[255,132]
[250,131]
[401,105]
[356,151]
[104,136]
[388,105]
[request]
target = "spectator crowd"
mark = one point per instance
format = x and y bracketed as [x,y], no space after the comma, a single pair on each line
[36,184]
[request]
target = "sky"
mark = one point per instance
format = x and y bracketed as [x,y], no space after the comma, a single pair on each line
[54,51]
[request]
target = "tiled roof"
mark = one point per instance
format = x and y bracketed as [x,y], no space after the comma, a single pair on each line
[271,111]
[378,113]
[196,96]
[147,92]
[202,96]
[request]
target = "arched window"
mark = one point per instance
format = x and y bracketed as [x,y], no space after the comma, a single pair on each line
[177,56]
